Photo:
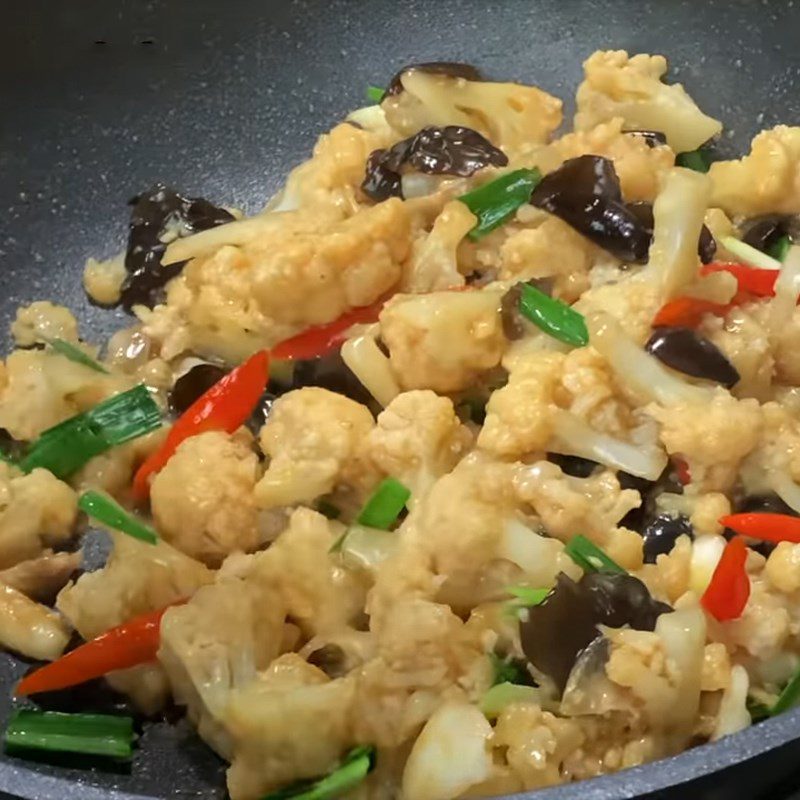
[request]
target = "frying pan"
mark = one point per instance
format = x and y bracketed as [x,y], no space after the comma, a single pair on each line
[98,100]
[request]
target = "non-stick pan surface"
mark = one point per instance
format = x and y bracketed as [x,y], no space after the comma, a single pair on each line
[99,99]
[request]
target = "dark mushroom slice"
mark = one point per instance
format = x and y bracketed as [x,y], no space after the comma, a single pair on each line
[767,232]
[449,69]
[331,659]
[689,352]
[575,466]
[661,533]
[565,622]
[451,150]
[192,384]
[585,192]
[157,214]
[513,320]
[651,138]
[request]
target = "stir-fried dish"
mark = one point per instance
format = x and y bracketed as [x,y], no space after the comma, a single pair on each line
[470,465]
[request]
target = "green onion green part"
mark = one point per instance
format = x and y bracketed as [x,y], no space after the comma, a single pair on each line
[66,447]
[385,505]
[780,248]
[749,255]
[509,670]
[496,202]
[375,94]
[495,700]
[757,710]
[75,354]
[789,697]
[110,513]
[555,318]
[92,734]
[355,767]
[697,160]
[589,557]
[524,597]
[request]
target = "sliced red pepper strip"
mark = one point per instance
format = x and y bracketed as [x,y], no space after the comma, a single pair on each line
[225,406]
[766,527]
[758,282]
[688,312]
[682,470]
[321,339]
[729,589]
[132,643]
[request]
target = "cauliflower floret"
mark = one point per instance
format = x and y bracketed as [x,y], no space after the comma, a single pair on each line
[776,460]
[292,270]
[640,168]
[331,177]
[36,510]
[567,505]
[537,743]
[138,577]
[668,578]
[617,85]
[308,460]
[443,340]
[290,724]
[713,437]
[511,116]
[425,655]
[30,629]
[43,320]
[203,500]
[102,280]
[433,264]
[42,578]
[318,594]
[551,249]
[746,344]
[418,439]
[40,388]
[783,341]
[782,569]
[765,182]
[216,643]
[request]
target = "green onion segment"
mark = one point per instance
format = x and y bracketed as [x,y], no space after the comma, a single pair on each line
[555,318]
[375,94]
[105,510]
[697,160]
[524,597]
[75,354]
[780,248]
[355,767]
[789,697]
[92,734]
[509,670]
[495,700]
[589,557]
[751,256]
[385,505]
[495,202]
[66,447]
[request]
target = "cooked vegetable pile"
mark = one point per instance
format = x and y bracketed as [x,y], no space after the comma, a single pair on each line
[470,465]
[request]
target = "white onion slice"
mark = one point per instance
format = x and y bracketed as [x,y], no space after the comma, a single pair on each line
[371,367]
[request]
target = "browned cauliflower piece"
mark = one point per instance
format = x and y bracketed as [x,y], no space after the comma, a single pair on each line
[43,577]
[443,340]
[712,438]
[418,439]
[203,501]
[512,116]
[290,271]
[216,643]
[640,168]
[290,724]
[29,628]
[767,181]
[618,85]
[315,440]
[42,320]
[36,510]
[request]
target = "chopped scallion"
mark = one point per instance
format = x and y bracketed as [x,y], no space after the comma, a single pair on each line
[555,318]
[527,596]
[385,505]
[496,202]
[494,702]
[105,510]
[780,248]
[66,447]
[355,767]
[697,160]
[75,354]
[509,670]
[749,254]
[789,697]
[589,557]
[375,94]
[92,734]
